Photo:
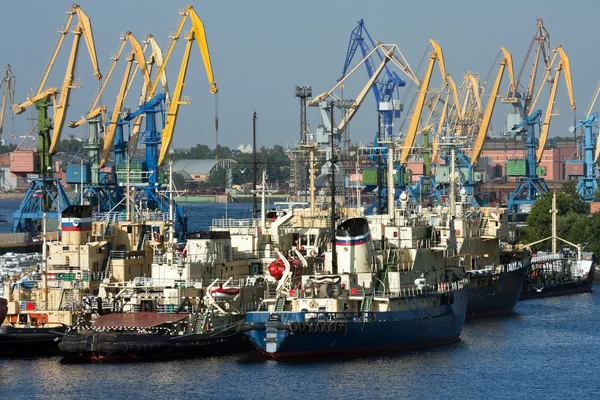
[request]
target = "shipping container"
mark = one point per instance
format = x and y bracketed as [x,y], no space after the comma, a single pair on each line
[24,162]
[541,171]
[516,168]
[78,173]
[369,176]
[575,168]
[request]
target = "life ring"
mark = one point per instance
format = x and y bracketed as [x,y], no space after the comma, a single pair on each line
[313,304]
[75,223]
[313,253]
[301,326]
[327,328]
[294,327]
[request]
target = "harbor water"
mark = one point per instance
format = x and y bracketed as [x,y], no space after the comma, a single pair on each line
[549,348]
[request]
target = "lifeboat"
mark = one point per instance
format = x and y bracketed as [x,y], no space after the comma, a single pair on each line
[277,268]
[222,293]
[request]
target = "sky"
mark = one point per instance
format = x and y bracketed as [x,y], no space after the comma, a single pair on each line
[262,49]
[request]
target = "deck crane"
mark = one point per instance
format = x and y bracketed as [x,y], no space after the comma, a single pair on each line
[531,186]
[7,88]
[46,194]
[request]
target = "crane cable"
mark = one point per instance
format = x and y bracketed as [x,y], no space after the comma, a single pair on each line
[217,127]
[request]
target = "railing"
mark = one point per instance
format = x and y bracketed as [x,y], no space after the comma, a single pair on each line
[228,223]
[118,254]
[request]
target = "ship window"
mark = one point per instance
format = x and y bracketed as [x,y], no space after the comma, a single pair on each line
[100,250]
[65,248]
[129,229]
[129,270]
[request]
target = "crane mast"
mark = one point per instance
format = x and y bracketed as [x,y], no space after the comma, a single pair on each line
[7,85]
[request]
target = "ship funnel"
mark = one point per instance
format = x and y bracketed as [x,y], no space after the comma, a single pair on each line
[353,241]
[76,225]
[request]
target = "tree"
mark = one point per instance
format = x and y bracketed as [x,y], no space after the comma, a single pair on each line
[178,180]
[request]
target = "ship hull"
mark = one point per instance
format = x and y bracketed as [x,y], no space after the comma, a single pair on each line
[293,335]
[29,342]
[534,290]
[118,347]
[496,294]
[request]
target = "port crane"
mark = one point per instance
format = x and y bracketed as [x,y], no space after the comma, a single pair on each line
[156,104]
[586,169]
[45,194]
[385,89]
[531,186]
[463,161]
[7,88]
[587,186]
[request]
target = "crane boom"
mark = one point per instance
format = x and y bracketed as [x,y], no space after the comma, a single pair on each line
[505,63]
[198,29]
[169,129]
[136,54]
[196,33]
[363,93]
[563,66]
[155,58]
[8,94]
[436,54]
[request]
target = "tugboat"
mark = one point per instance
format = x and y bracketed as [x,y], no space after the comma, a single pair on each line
[558,273]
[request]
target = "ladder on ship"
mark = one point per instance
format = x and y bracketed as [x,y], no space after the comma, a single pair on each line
[280,304]
[367,302]
[66,299]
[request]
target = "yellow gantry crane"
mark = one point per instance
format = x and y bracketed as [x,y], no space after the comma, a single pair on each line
[137,54]
[83,28]
[196,33]
[7,85]
[565,68]
[156,58]
[506,64]
[435,55]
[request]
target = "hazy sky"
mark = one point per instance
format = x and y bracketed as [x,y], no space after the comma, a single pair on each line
[261,49]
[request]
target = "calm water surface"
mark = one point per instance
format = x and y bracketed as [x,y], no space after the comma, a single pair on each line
[550,348]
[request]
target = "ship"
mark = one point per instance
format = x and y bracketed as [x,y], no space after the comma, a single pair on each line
[44,300]
[191,302]
[358,293]
[557,273]
[496,273]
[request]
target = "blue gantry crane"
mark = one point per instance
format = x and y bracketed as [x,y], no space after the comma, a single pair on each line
[588,181]
[531,186]
[386,91]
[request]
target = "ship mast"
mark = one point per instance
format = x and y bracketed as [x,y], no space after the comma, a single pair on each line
[45,261]
[334,267]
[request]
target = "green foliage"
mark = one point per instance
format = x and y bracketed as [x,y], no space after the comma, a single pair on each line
[274,159]
[573,221]
[178,180]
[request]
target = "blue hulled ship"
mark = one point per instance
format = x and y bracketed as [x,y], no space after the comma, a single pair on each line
[364,295]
